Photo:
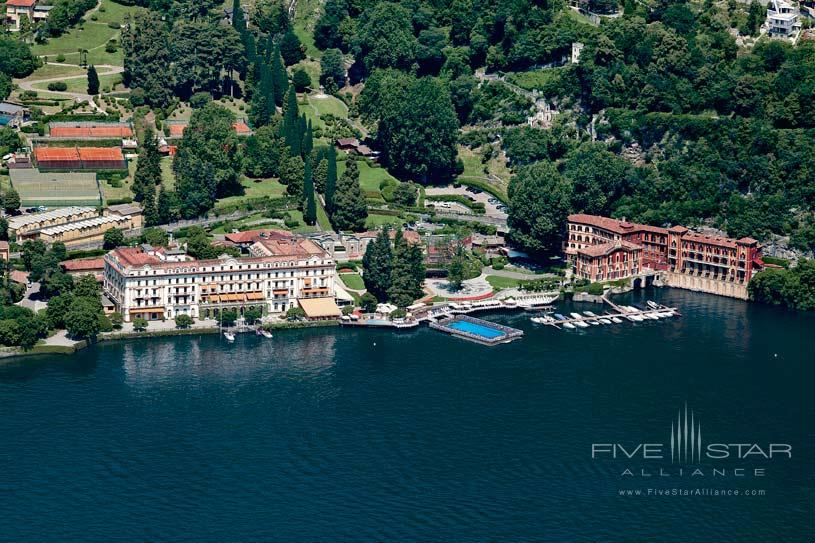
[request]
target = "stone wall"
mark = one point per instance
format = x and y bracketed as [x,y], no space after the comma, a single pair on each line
[705,284]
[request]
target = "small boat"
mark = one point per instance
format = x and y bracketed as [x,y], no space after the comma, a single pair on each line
[568,325]
[230,337]
[605,321]
[538,320]
[616,320]
[652,304]
[635,318]
[560,317]
[589,313]
[267,334]
[576,316]
[581,324]
[651,316]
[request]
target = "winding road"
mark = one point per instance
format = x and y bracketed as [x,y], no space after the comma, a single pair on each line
[78,96]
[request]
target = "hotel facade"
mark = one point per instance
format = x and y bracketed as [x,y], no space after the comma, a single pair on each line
[605,249]
[158,284]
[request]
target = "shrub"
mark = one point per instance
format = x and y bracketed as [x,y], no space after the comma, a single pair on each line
[200,99]
[60,58]
[59,86]
[139,324]
[114,24]
[183,321]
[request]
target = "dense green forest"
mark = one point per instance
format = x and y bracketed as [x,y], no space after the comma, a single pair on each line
[665,118]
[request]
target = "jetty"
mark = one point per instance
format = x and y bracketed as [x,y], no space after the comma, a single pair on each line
[620,314]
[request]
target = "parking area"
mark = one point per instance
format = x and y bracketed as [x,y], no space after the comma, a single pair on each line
[494,207]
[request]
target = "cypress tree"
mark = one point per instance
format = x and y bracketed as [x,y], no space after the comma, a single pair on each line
[238,22]
[148,168]
[376,264]
[310,206]
[308,140]
[291,124]
[151,217]
[281,78]
[402,289]
[163,205]
[350,209]
[330,179]
[93,80]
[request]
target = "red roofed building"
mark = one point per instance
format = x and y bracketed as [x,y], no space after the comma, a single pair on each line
[608,261]
[4,251]
[79,158]
[244,240]
[714,264]
[84,266]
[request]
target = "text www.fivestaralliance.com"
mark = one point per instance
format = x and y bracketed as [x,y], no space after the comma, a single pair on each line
[689,492]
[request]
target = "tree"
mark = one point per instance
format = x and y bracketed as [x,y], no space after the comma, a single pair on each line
[539,201]
[165,204]
[56,313]
[155,237]
[279,77]
[93,81]
[291,49]
[88,287]
[368,302]
[456,268]
[349,208]
[405,194]
[148,167]
[292,173]
[292,133]
[320,178]
[140,324]
[384,37]
[16,59]
[295,313]
[116,320]
[228,317]
[3,229]
[332,65]
[151,216]
[208,160]
[82,320]
[183,321]
[330,179]
[310,205]
[301,80]
[252,315]
[113,238]
[417,129]
[11,200]
[598,179]
[377,264]
[403,288]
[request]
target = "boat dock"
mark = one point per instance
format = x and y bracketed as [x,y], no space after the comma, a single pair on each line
[621,313]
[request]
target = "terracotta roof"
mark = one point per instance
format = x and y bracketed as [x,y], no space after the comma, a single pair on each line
[177,129]
[614,225]
[63,154]
[256,235]
[241,128]
[718,241]
[348,142]
[605,249]
[4,246]
[100,153]
[84,264]
[290,247]
[112,131]
[18,276]
[21,3]
[747,241]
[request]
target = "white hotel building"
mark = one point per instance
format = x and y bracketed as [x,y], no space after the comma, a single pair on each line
[279,274]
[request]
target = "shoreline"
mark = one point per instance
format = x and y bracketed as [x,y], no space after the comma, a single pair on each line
[67,350]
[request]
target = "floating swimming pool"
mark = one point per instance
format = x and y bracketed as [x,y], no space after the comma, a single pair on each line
[480,331]
[476,329]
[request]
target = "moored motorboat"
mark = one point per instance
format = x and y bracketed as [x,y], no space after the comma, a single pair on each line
[267,334]
[230,337]
[616,320]
[568,325]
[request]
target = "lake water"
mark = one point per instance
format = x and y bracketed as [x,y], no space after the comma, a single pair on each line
[371,435]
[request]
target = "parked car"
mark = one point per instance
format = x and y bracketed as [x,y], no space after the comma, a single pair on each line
[494,201]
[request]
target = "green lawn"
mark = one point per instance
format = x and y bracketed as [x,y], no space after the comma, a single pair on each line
[256,189]
[47,71]
[92,37]
[80,84]
[498,282]
[535,79]
[314,107]
[308,11]
[375,221]
[369,176]
[352,281]
[322,217]
[167,176]
[114,13]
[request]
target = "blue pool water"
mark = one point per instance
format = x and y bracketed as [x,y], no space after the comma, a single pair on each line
[477,329]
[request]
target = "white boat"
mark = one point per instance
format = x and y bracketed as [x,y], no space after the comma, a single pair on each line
[635,318]
[230,337]
[581,324]
[589,313]
[651,316]
[568,325]
[538,320]
[605,321]
[577,316]
[267,334]
[616,320]
[652,305]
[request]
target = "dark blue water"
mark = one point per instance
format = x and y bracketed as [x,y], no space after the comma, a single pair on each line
[369,435]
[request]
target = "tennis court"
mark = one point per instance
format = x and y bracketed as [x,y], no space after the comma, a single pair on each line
[55,189]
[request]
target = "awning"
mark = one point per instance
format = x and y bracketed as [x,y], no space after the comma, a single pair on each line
[319,308]
[254,295]
[147,310]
